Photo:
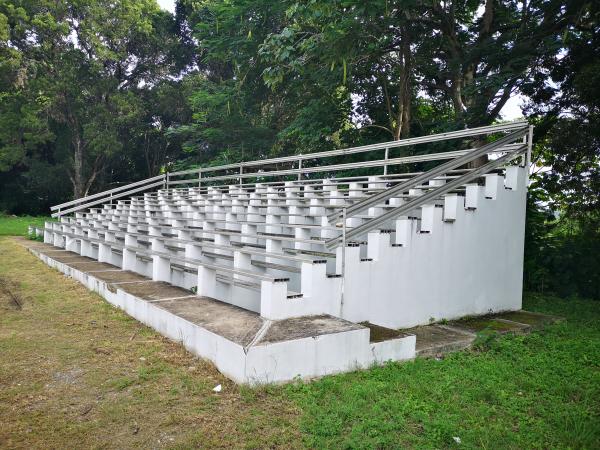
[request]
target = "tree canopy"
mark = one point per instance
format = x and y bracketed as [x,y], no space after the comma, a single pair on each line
[95,93]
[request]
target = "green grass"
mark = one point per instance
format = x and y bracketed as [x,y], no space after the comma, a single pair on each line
[78,373]
[17,225]
[535,391]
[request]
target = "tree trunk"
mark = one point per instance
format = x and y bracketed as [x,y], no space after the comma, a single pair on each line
[79,185]
[406,84]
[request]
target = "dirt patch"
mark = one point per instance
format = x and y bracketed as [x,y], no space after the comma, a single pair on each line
[68,377]
[8,295]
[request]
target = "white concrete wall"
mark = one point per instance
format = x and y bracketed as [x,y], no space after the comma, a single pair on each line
[472,265]
[257,364]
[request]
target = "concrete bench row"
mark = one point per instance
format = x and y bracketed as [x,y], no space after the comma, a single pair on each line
[269,256]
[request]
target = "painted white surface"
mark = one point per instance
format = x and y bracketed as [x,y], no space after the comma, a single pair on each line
[460,256]
[472,265]
[263,363]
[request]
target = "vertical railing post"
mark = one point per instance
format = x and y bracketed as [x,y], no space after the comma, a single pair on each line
[199,178]
[387,154]
[529,145]
[300,169]
[342,287]
[528,154]
[241,173]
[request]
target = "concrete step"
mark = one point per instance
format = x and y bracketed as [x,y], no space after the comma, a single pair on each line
[243,345]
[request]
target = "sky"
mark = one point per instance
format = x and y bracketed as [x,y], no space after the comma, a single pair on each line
[510,111]
[169,5]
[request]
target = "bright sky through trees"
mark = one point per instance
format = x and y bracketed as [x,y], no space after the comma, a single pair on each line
[511,110]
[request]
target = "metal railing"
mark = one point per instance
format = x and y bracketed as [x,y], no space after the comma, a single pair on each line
[259,170]
[495,146]
[240,171]
[421,200]
[107,196]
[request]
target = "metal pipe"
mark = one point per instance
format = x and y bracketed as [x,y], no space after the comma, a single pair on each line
[490,129]
[386,157]
[422,199]
[105,193]
[343,263]
[442,168]
[339,167]
[103,199]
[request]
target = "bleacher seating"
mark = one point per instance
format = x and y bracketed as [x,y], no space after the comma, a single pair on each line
[397,249]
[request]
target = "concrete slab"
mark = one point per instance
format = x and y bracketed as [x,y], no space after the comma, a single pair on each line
[535,320]
[117,276]
[493,323]
[154,290]
[235,324]
[380,334]
[29,243]
[69,257]
[302,327]
[91,266]
[433,340]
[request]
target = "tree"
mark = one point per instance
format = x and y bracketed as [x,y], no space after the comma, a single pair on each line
[565,103]
[69,80]
[563,254]
[470,56]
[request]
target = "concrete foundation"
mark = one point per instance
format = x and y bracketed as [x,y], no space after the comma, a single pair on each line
[243,345]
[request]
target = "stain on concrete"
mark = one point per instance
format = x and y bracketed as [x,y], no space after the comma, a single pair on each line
[435,339]
[65,257]
[535,320]
[69,258]
[380,334]
[236,324]
[308,326]
[117,276]
[477,324]
[91,266]
[154,290]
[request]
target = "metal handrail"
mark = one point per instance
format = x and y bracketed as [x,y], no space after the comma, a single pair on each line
[423,199]
[168,180]
[105,193]
[333,167]
[104,198]
[489,129]
[436,171]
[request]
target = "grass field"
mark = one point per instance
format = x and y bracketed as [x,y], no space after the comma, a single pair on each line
[77,373]
[17,225]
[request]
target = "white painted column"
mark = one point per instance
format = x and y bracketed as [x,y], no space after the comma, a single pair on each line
[207,282]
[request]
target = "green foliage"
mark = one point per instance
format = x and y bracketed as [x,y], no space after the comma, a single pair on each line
[561,255]
[74,78]
[563,223]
